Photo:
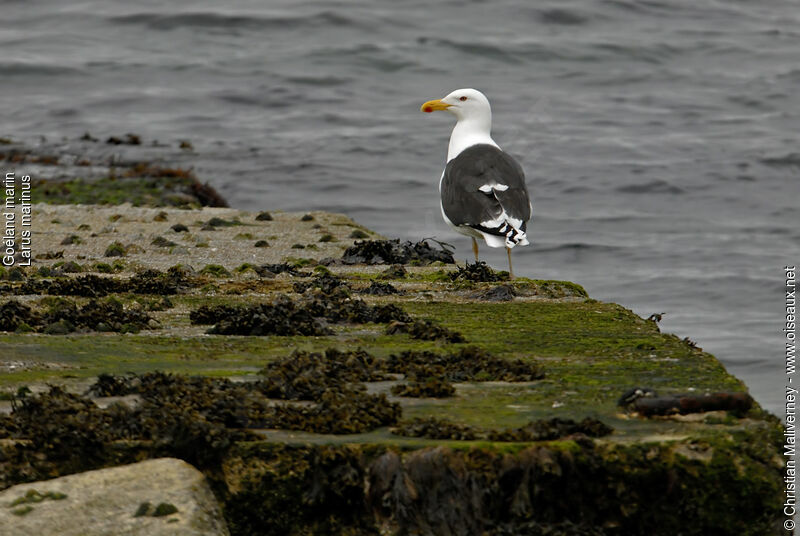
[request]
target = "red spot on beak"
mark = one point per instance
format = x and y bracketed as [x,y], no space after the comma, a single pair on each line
[428,109]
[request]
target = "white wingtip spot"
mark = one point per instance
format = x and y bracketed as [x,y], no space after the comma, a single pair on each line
[488,188]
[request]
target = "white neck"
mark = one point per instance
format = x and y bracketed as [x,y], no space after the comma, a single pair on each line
[469,132]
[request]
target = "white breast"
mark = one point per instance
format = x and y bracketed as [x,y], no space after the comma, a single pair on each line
[466,135]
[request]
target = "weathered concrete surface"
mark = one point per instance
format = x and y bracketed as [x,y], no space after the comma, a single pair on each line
[230,243]
[105,503]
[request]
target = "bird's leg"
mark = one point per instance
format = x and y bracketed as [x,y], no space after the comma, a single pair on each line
[510,269]
[475,249]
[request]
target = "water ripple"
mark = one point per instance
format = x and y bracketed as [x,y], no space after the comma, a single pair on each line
[210,19]
[656,186]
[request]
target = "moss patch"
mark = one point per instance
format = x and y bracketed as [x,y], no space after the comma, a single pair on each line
[159,510]
[139,185]
[33,496]
[116,249]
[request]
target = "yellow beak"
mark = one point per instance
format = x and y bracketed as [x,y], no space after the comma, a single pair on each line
[433,105]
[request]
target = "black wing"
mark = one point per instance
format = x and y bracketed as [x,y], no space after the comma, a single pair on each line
[484,166]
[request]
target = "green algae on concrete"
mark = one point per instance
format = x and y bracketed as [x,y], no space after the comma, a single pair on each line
[576,381]
[23,510]
[140,185]
[591,351]
[704,475]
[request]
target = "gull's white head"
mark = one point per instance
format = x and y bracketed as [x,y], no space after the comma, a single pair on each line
[466,104]
[474,114]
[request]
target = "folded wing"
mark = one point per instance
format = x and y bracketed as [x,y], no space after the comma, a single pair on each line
[483,188]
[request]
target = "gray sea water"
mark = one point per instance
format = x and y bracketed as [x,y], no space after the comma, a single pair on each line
[659,138]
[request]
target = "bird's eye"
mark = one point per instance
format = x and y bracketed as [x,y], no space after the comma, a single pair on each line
[462,99]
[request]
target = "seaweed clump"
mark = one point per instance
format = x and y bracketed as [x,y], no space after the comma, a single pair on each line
[539,430]
[282,317]
[271,270]
[334,382]
[396,252]
[466,364]
[433,428]
[17,273]
[425,381]
[221,222]
[14,315]
[378,288]
[550,429]
[428,387]
[97,315]
[64,316]
[344,411]
[111,385]
[306,376]
[324,393]
[186,418]
[498,293]
[479,272]
[306,316]
[395,271]
[172,281]
[206,314]
[90,286]
[426,330]
[339,402]
[325,282]
[58,424]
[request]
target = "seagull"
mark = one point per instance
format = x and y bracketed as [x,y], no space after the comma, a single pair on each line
[482,189]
